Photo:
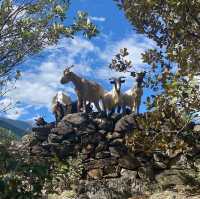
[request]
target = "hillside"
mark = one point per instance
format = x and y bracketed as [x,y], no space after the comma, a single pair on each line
[18,127]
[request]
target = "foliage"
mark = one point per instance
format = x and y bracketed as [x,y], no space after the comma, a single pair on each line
[119,62]
[173,24]
[6,136]
[26,27]
[66,173]
[25,176]
[170,135]
[173,65]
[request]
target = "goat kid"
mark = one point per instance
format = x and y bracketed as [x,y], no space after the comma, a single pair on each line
[132,97]
[112,99]
[61,105]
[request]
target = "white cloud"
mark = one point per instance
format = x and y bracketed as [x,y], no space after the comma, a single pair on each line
[101,19]
[15,113]
[135,45]
[40,82]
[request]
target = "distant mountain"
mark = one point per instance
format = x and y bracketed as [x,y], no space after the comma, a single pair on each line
[18,127]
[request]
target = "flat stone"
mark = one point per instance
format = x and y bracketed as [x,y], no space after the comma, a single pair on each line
[41,133]
[197,164]
[116,142]
[39,151]
[196,128]
[129,161]
[101,146]
[159,165]
[102,155]
[91,138]
[77,119]
[146,173]
[63,130]
[174,177]
[125,124]
[116,135]
[53,138]
[95,174]
[101,163]
[116,151]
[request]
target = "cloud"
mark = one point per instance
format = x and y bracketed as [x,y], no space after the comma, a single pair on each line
[100,19]
[135,44]
[41,79]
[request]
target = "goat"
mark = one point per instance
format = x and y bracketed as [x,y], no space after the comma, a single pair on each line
[112,99]
[132,97]
[86,90]
[61,105]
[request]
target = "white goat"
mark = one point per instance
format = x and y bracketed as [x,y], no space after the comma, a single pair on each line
[86,90]
[112,99]
[61,105]
[132,97]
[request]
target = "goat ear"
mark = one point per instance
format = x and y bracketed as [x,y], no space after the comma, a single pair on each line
[122,81]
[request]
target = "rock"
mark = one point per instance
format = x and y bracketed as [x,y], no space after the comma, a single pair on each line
[95,174]
[41,133]
[105,124]
[83,196]
[125,125]
[160,160]
[53,138]
[129,161]
[173,195]
[197,164]
[76,119]
[102,145]
[29,140]
[180,162]
[116,135]
[114,188]
[173,177]
[102,155]
[103,132]
[88,149]
[92,138]
[146,173]
[117,142]
[159,165]
[196,128]
[116,151]
[63,130]
[39,151]
[101,163]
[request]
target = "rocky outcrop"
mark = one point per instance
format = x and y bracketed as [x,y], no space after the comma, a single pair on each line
[110,169]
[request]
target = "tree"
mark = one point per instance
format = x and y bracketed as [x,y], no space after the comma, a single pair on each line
[173,24]
[175,27]
[26,27]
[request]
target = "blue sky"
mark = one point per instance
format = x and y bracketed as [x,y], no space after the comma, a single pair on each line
[41,73]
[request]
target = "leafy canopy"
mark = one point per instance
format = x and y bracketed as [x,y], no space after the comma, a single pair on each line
[26,27]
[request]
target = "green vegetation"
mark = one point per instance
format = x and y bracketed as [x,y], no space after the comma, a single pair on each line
[27,27]
[6,136]
[23,176]
[173,65]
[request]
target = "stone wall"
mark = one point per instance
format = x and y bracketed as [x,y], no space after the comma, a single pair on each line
[110,169]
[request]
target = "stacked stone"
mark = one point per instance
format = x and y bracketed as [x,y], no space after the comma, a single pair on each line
[101,143]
